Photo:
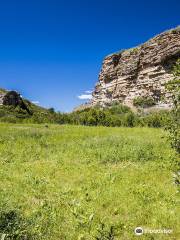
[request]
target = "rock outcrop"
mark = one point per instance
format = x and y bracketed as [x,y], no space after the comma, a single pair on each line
[141,71]
[12,98]
[1,98]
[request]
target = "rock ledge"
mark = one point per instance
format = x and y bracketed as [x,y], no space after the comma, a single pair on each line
[142,71]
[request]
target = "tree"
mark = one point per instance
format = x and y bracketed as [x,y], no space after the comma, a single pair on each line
[51,110]
[174,124]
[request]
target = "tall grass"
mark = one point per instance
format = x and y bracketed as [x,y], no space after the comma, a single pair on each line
[74,182]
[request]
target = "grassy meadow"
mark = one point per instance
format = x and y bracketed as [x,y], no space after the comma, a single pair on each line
[61,182]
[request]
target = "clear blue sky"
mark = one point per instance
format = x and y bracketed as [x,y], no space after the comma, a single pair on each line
[51,50]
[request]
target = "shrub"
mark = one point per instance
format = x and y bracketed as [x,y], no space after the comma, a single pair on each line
[114,115]
[143,102]
[130,120]
[174,123]
[51,110]
[117,108]
[14,226]
[156,119]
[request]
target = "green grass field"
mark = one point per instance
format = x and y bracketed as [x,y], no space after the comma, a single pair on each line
[74,182]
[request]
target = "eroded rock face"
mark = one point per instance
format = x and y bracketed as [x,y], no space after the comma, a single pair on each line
[12,98]
[1,98]
[141,71]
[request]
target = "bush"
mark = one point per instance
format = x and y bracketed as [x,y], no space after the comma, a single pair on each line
[13,226]
[130,120]
[174,123]
[117,108]
[156,119]
[143,102]
[115,115]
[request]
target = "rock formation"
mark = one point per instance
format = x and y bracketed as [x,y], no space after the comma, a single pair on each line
[12,98]
[141,71]
[1,98]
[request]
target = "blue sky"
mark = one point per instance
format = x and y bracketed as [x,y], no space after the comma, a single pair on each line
[51,51]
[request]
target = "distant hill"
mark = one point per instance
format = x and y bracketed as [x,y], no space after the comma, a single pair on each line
[14,108]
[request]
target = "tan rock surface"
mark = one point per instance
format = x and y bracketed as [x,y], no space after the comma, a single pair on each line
[141,71]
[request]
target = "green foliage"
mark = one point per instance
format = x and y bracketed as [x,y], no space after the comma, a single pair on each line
[13,226]
[176,30]
[143,102]
[104,233]
[156,119]
[13,114]
[134,50]
[116,108]
[51,110]
[2,91]
[75,182]
[116,115]
[130,120]
[174,123]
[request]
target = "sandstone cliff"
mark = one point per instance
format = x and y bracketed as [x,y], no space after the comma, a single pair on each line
[141,71]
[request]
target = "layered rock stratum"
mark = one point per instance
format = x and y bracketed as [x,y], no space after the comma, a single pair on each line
[142,71]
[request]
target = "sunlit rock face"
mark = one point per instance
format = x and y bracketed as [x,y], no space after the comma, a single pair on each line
[1,98]
[2,94]
[141,71]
